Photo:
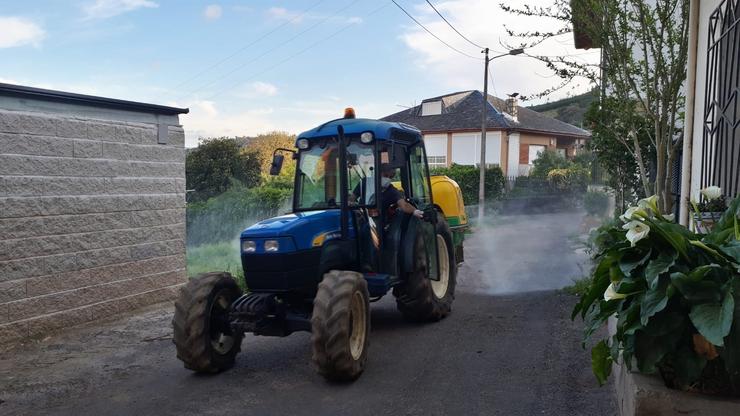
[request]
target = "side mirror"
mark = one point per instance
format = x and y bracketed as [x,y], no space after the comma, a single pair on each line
[277,164]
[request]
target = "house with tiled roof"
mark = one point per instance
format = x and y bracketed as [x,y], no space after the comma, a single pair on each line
[515,135]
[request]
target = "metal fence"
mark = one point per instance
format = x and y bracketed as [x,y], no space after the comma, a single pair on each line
[720,152]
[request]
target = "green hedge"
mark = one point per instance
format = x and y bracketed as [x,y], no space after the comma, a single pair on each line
[468,177]
[222,218]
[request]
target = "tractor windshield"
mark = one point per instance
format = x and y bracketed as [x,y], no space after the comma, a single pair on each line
[318,176]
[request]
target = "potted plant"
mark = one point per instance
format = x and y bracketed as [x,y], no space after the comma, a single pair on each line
[675,296]
[712,203]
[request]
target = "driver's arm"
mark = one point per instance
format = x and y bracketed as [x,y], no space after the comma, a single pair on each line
[409,209]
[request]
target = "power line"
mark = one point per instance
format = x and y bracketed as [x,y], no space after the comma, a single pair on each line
[493,83]
[453,27]
[243,48]
[435,36]
[255,59]
[302,51]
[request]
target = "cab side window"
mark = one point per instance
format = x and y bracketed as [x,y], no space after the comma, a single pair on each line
[419,177]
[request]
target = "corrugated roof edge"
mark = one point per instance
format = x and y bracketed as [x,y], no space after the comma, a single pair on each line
[89,100]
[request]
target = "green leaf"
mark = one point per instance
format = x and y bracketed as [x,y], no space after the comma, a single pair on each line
[600,281]
[628,320]
[648,352]
[731,352]
[714,320]
[601,362]
[658,266]
[702,291]
[655,300]
[633,259]
[732,249]
[688,366]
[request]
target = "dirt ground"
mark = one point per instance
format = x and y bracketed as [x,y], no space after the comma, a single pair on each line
[516,353]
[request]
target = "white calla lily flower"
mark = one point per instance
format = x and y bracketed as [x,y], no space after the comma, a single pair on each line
[634,213]
[711,192]
[611,293]
[649,204]
[669,217]
[636,231]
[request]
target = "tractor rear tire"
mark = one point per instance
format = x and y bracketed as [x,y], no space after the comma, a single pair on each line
[421,299]
[340,325]
[204,340]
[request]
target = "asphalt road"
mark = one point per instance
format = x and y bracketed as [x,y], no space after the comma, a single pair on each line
[513,354]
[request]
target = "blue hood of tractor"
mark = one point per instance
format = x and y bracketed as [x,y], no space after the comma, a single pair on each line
[301,227]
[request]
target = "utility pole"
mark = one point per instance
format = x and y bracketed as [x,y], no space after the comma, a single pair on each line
[484,125]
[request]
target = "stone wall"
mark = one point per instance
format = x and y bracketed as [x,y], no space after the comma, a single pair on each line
[92,216]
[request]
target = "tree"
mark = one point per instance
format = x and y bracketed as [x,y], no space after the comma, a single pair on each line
[608,143]
[265,144]
[211,167]
[644,56]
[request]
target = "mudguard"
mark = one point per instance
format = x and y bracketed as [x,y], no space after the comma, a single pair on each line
[338,255]
[407,245]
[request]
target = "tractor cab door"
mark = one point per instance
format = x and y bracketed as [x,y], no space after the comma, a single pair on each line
[421,196]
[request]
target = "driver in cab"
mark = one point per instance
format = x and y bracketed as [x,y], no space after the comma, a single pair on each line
[390,195]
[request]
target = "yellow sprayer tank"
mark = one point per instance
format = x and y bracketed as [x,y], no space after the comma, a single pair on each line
[446,193]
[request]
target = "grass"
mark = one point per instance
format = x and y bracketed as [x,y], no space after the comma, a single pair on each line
[218,257]
[579,287]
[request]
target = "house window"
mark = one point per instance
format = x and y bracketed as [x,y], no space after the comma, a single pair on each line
[431,108]
[437,161]
[534,152]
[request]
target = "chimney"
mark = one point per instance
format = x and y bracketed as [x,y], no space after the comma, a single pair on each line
[512,107]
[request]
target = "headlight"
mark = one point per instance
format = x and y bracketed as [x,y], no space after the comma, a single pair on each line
[366,137]
[249,246]
[303,144]
[271,246]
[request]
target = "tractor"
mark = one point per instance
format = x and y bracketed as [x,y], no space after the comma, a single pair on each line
[343,246]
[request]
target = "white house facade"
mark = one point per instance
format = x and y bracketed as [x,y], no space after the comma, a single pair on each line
[451,126]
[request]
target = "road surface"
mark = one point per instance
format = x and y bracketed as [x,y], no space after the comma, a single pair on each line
[512,354]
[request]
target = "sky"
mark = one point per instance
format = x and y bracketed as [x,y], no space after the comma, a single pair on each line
[253,66]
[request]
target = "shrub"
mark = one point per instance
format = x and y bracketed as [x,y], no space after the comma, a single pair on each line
[596,203]
[468,177]
[673,294]
[210,168]
[546,161]
[223,217]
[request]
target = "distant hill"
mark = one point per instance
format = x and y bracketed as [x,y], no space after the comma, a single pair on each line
[569,110]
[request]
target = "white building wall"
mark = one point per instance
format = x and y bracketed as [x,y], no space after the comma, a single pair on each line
[436,147]
[466,148]
[513,157]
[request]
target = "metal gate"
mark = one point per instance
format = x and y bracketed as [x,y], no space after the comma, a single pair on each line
[721,136]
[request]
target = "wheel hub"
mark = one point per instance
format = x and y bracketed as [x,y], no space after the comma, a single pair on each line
[221,339]
[357,326]
[439,287]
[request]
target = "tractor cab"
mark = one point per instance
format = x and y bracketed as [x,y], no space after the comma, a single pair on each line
[345,243]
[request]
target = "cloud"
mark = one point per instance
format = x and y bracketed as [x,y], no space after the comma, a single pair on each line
[453,71]
[205,120]
[283,14]
[257,89]
[355,20]
[17,31]
[103,9]
[264,89]
[212,12]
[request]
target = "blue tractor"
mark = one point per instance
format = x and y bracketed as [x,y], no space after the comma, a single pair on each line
[343,246]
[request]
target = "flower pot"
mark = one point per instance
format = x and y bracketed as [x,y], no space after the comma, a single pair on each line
[704,221]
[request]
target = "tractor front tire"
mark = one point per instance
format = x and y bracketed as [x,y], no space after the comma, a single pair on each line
[340,325]
[204,340]
[421,299]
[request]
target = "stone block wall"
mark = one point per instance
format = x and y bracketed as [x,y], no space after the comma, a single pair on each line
[92,217]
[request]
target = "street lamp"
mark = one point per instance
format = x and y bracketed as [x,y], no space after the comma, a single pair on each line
[484,124]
